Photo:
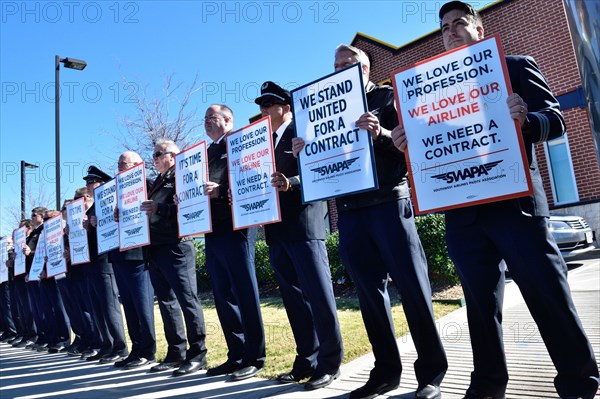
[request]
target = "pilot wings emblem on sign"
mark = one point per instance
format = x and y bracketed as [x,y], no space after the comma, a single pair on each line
[109,233]
[193,215]
[133,231]
[254,205]
[334,167]
[467,173]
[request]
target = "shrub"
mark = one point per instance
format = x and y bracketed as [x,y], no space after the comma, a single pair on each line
[432,231]
[338,272]
[264,271]
[202,275]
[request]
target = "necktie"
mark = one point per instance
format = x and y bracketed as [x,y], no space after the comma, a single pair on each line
[274,139]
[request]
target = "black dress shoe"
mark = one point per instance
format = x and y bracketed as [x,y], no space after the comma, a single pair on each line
[225,368]
[137,362]
[14,340]
[88,352]
[374,388]
[189,367]
[23,343]
[57,348]
[7,337]
[41,348]
[112,357]
[124,362]
[73,351]
[320,380]
[294,376]
[33,346]
[97,356]
[244,373]
[164,366]
[429,392]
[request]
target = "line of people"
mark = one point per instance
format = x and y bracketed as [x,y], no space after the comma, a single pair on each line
[378,240]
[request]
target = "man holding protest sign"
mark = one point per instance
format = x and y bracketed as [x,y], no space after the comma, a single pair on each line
[102,284]
[172,262]
[230,262]
[42,324]
[378,239]
[480,237]
[299,257]
[137,294]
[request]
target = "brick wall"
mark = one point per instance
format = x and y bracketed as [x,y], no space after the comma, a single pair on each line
[532,27]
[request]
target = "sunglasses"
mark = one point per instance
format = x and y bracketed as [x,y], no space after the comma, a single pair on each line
[268,104]
[160,153]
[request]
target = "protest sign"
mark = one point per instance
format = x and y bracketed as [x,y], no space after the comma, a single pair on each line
[105,201]
[464,148]
[134,229]
[3,259]
[251,162]
[191,175]
[19,240]
[37,266]
[78,240]
[55,246]
[338,157]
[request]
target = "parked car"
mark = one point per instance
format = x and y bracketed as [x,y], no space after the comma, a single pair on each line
[572,234]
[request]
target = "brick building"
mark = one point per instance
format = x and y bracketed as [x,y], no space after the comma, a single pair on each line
[569,164]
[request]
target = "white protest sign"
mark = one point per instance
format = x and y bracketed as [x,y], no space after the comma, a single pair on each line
[251,162]
[134,229]
[464,148]
[338,157]
[78,239]
[105,201]
[55,246]
[37,266]
[19,239]
[3,259]
[193,207]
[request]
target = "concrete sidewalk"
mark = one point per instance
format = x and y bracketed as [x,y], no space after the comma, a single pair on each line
[26,374]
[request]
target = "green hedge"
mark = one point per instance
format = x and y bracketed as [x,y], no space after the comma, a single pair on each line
[431,230]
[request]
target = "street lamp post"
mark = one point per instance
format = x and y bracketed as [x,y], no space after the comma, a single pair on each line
[23,166]
[70,63]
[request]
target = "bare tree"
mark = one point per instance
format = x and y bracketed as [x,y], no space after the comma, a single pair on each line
[168,117]
[11,213]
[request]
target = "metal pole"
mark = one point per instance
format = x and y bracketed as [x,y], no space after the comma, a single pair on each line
[57,126]
[22,190]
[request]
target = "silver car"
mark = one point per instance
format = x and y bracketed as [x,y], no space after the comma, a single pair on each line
[572,234]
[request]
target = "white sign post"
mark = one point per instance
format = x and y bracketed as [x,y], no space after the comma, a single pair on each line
[463,146]
[193,207]
[338,157]
[251,162]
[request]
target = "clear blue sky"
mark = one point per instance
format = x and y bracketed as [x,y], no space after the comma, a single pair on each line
[232,46]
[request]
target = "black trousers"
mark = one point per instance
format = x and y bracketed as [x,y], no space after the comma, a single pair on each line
[173,275]
[500,231]
[382,240]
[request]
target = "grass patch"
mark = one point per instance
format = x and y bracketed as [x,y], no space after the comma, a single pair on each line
[281,348]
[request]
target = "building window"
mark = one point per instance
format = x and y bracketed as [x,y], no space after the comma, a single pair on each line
[562,176]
